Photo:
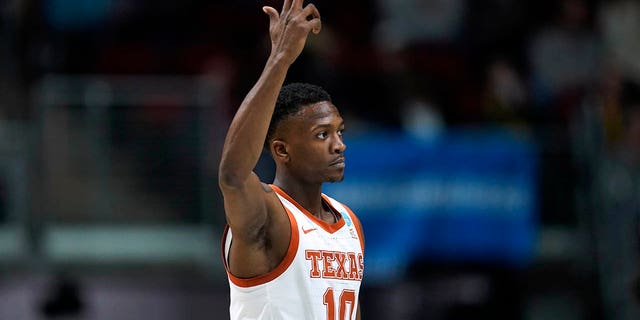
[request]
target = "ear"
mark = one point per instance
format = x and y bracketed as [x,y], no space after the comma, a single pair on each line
[279,150]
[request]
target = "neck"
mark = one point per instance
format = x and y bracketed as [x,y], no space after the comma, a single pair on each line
[308,195]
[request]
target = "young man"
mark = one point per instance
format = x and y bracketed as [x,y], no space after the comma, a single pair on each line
[290,252]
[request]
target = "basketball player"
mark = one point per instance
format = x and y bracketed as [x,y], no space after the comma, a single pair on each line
[290,251]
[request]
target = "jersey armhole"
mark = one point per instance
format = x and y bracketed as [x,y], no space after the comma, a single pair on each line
[292,249]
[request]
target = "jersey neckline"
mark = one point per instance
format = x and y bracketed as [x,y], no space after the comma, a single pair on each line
[328,227]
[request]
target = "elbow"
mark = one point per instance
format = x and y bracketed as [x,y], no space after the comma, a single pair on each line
[230,179]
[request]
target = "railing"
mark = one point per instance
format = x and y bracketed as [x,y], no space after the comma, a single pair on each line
[126,170]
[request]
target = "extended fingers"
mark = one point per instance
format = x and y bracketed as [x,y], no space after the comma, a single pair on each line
[296,5]
[289,9]
[286,7]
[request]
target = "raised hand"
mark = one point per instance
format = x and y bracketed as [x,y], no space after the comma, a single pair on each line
[289,29]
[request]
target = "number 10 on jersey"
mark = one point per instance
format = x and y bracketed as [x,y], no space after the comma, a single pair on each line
[346,304]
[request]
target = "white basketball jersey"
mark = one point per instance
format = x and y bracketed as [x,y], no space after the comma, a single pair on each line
[319,277]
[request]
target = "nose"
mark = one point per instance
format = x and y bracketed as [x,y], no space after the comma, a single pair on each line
[338,145]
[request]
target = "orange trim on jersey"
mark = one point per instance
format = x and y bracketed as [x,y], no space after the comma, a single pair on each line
[328,227]
[271,275]
[356,221]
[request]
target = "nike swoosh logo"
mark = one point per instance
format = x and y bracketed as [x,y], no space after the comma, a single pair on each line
[305,231]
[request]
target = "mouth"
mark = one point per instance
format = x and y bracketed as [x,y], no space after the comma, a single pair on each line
[339,163]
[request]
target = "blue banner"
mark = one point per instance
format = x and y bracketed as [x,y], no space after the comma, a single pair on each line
[469,196]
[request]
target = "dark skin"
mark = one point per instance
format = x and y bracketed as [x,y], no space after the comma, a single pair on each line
[307,148]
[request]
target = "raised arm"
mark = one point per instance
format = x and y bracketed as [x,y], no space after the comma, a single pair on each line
[244,195]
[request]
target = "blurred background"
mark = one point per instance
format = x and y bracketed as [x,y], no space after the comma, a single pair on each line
[493,153]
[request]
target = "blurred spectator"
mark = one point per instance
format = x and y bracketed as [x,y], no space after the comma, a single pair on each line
[619,22]
[611,147]
[505,94]
[407,22]
[418,41]
[421,119]
[564,64]
[564,60]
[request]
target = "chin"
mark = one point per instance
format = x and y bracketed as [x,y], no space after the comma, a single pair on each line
[335,179]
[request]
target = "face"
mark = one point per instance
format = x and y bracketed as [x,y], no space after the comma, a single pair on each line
[312,139]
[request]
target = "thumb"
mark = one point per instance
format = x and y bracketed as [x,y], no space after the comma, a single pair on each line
[272,13]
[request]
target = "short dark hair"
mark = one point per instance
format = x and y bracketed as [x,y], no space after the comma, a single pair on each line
[291,99]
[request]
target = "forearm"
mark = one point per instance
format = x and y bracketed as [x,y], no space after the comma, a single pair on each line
[247,132]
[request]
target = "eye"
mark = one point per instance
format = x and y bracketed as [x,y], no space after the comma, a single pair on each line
[341,132]
[321,135]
